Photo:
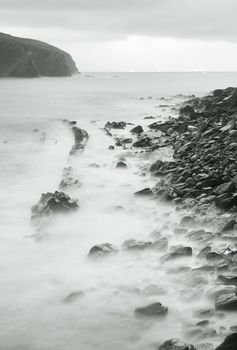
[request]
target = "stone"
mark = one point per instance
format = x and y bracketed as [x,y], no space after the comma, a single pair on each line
[111,147]
[115,125]
[144,192]
[80,139]
[93,165]
[230,225]
[121,165]
[176,344]
[155,309]
[133,244]
[143,142]
[137,130]
[187,110]
[177,252]
[226,300]
[53,203]
[230,343]
[102,250]
[187,221]
[72,297]
[228,280]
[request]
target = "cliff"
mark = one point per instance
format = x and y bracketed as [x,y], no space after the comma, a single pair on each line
[28,58]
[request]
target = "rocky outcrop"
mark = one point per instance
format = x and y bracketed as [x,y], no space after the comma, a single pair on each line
[230,343]
[53,203]
[204,168]
[80,139]
[28,58]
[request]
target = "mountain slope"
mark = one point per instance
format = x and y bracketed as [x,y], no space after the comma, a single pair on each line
[21,57]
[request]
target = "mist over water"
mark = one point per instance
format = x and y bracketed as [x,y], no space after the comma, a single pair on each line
[37,271]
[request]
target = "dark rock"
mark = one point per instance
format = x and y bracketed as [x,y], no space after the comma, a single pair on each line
[111,147]
[143,142]
[230,343]
[177,252]
[228,280]
[149,117]
[145,192]
[74,296]
[187,110]
[69,181]
[30,58]
[121,165]
[80,139]
[155,309]
[93,165]
[133,244]
[230,225]
[115,125]
[226,300]
[137,130]
[176,344]
[102,250]
[53,203]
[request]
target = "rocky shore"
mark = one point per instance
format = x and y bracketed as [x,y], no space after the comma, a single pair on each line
[200,181]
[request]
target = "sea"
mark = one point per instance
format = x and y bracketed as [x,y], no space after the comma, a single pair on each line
[40,268]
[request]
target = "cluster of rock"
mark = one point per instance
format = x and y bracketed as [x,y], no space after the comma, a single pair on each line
[53,203]
[203,137]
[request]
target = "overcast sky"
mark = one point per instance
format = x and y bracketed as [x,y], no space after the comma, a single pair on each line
[131,35]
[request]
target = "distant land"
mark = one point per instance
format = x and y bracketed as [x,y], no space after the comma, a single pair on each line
[28,58]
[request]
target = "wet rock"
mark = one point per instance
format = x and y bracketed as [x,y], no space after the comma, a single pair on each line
[72,297]
[115,125]
[121,165]
[102,250]
[226,300]
[228,280]
[176,344]
[187,221]
[161,244]
[137,130]
[177,252]
[111,147]
[187,110]
[143,142]
[230,225]
[68,180]
[144,193]
[230,343]
[93,165]
[80,139]
[133,244]
[155,309]
[53,203]
[149,117]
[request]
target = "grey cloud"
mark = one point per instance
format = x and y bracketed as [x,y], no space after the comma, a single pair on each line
[204,19]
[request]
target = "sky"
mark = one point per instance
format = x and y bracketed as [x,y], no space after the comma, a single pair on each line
[131,35]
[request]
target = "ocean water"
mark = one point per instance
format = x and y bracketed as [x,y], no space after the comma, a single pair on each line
[38,270]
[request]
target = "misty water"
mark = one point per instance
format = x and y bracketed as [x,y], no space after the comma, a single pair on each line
[39,269]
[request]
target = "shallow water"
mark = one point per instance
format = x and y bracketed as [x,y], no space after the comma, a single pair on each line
[39,271]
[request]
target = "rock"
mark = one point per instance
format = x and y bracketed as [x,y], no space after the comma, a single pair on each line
[145,192]
[143,142]
[68,181]
[226,300]
[176,344]
[53,203]
[74,296]
[149,117]
[115,125]
[187,110]
[102,250]
[28,58]
[111,147]
[137,130]
[187,221]
[93,165]
[230,343]
[161,244]
[121,165]
[177,252]
[133,244]
[228,280]
[155,309]
[80,139]
[230,225]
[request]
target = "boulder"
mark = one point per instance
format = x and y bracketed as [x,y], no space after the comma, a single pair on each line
[143,142]
[144,193]
[115,125]
[111,147]
[121,165]
[227,300]
[53,203]
[230,343]
[137,130]
[176,344]
[177,252]
[155,309]
[101,250]
[80,139]
[133,244]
